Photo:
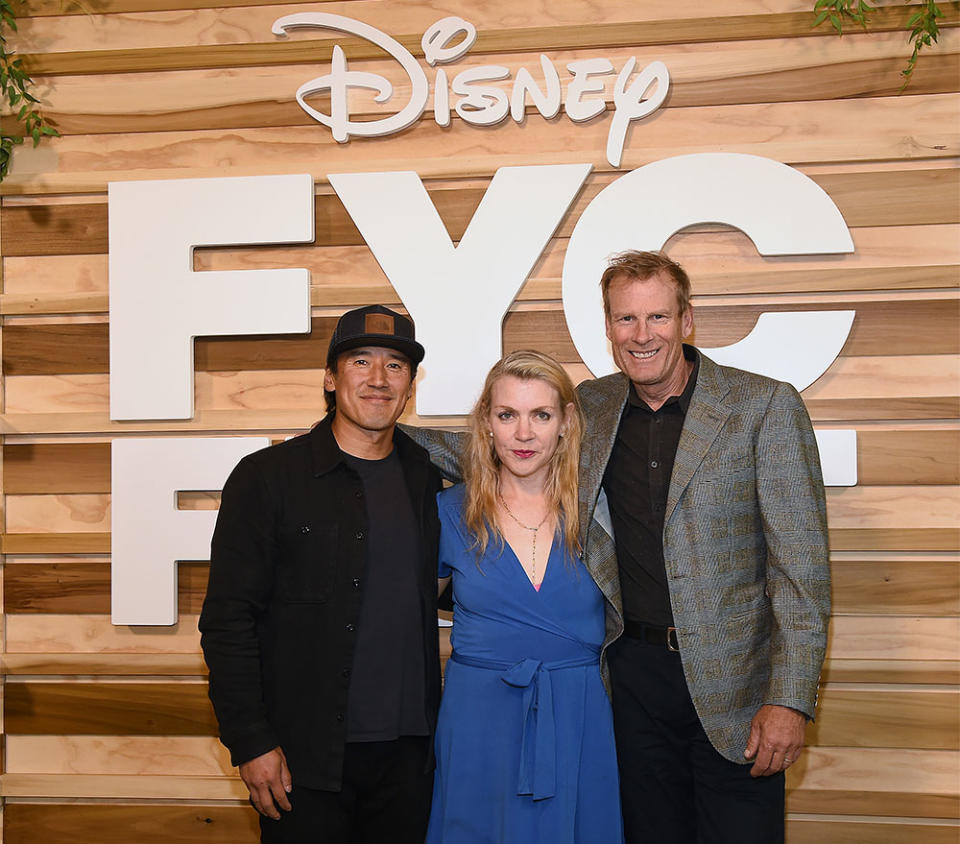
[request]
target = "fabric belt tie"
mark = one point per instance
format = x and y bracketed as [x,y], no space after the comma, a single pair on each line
[538,743]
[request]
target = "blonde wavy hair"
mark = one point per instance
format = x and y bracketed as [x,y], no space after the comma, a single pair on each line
[482,465]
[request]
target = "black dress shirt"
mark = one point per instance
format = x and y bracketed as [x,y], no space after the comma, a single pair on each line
[636,482]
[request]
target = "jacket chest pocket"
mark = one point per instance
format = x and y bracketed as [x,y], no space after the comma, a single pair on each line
[307,568]
[730,490]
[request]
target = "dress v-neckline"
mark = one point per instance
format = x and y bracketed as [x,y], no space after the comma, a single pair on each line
[523,571]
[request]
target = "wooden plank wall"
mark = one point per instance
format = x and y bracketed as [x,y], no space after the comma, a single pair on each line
[108,735]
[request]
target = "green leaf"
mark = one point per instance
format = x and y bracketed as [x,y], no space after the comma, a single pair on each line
[820,19]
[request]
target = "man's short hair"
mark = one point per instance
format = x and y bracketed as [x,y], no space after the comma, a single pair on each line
[634,265]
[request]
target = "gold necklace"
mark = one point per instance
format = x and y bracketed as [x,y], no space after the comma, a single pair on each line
[533,552]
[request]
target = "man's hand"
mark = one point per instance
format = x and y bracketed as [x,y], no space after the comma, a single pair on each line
[267,778]
[776,739]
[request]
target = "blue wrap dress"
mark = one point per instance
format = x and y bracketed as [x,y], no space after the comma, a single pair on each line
[525,747]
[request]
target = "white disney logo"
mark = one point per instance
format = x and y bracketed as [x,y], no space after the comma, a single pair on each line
[481,105]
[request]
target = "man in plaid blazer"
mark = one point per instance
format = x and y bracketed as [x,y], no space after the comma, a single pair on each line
[701,489]
[703,509]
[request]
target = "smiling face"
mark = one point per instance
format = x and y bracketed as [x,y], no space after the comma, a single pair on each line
[646,329]
[373,385]
[526,421]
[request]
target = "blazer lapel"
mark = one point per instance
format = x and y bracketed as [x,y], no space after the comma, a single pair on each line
[705,418]
[602,413]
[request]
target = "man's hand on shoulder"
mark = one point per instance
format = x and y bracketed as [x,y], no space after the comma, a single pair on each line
[776,739]
[267,778]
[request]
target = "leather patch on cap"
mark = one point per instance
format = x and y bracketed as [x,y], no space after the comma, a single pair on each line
[378,324]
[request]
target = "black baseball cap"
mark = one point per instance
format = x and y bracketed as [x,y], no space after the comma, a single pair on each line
[374,325]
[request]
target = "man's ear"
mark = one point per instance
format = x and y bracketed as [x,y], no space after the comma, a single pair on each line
[687,321]
[329,381]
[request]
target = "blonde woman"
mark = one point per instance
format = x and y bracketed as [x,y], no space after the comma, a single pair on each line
[525,747]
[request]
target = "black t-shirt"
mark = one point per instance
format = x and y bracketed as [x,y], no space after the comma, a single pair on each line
[637,481]
[386,698]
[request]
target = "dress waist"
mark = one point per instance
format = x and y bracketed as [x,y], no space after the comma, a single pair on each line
[538,743]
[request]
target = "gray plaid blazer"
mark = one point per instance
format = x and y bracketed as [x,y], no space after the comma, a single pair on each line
[745,542]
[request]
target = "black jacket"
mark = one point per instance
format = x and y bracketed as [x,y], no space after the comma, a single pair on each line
[283,601]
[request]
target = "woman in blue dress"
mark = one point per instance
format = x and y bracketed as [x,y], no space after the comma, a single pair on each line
[525,747]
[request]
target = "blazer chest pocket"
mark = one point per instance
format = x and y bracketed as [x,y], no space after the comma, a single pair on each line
[307,565]
[732,489]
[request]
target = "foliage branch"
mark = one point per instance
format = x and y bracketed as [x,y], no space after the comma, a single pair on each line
[15,85]
[924,26]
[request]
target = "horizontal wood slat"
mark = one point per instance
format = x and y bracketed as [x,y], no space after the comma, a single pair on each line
[896,457]
[924,671]
[884,458]
[888,671]
[867,587]
[879,328]
[870,781]
[56,467]
[857,831]
[55,543]
[918,197]
[763,71]
[815,784]
[881,637]
[85,587]
[113,824]
[893,637]
[26,823]
[146,709]
[381,292]
[895,539]
[867,130]
[131,755]
[912,719]
[909,719]
[922,507]
[846,410]
[124,787]
[298,420]
[56,8]
[900,588]
[417,13]
[104,664]
[544,38]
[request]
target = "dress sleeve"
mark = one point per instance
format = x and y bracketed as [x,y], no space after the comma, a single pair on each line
[444,557]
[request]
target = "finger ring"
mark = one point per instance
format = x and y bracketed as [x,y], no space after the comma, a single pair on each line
[788,760]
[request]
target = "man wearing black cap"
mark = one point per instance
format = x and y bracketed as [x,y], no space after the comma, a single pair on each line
[319,625]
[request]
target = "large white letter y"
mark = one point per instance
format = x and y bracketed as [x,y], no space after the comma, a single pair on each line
[458,295]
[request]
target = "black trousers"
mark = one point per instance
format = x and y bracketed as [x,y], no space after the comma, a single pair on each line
[385,797]
[674,786]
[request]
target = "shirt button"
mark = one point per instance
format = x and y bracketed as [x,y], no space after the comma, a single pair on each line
[345,672]
[653,464]
[358,494]
[305,529]
[351,628]
[339,716]
[358,535]
[356,583]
